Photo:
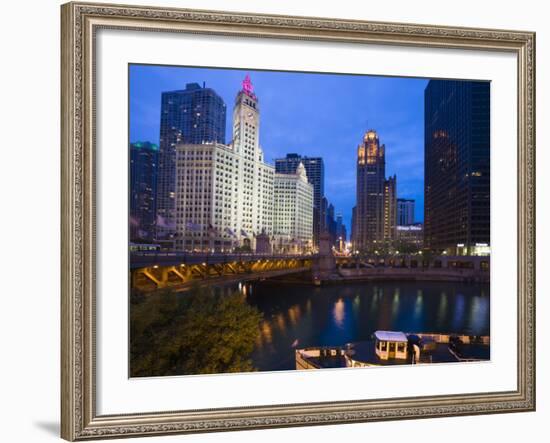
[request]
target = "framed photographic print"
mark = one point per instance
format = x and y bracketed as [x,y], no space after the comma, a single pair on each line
[282,221]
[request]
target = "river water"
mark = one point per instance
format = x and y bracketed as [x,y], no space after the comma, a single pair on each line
[302,315]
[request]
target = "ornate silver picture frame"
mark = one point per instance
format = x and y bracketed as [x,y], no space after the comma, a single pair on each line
[80,22]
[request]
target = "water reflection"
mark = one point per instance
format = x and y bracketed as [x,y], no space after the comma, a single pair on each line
[442,311]
[395,304]
[334,315]
[266,332]
[458,317]
[281,321]
[294,314]
[418,305]
[479,311]
[339,313]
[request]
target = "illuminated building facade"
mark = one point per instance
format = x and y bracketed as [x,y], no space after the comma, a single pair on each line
[143,181]
[315,169]
[193,115]
[368,229]
[293,212]
[412,235]
[225,192]
[457,166]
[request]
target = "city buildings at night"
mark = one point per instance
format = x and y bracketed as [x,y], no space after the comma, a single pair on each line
[293,212]
[225,193]
[270,269]
[331,223]
[374,217]
[457,166]
[353,235]
[341,230]
[193,115]
[341,233]
[143,181]
[323,213]
[411,235]
[405,211]
[315,170]
[390,209]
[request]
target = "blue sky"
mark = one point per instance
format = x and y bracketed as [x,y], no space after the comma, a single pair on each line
[310,114]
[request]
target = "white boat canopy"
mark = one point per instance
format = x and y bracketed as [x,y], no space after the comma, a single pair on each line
[390,336]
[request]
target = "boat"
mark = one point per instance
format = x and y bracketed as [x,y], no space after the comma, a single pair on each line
[388,348]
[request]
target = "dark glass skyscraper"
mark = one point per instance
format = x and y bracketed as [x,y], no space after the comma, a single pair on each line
[315,170]
[341,231]
[353,234]
[194,115]
[331,223]
[457,165]
[143,182]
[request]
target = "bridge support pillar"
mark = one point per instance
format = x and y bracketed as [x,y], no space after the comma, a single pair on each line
[181,275]
[147,272]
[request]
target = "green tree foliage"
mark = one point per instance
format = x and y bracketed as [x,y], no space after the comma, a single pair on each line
[406,247]
[243,248]
[193,332]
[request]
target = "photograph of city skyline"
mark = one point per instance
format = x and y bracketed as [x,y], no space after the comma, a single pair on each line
[292,220]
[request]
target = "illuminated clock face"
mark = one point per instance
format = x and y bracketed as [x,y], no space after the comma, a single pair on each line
[250,115]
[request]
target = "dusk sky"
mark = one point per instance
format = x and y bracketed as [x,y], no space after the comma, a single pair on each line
[322,115]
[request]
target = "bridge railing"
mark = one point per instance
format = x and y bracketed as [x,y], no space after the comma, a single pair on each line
[149,258]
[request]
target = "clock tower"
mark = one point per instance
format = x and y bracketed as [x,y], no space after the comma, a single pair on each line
[254,202]
[246,123]
[231,185]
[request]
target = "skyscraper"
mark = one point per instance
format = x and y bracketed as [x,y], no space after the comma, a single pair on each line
[371,175]
[405,211]
[457,165]
[353,235]
[143,182]
[323,214]
[293,212]
[256,190]
[194,115]
[340,227]
[315,170]
[225,192]
[390,209]
[341,233]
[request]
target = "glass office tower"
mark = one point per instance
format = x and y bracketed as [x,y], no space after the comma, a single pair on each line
[194,115]
[143,182]
[457,165]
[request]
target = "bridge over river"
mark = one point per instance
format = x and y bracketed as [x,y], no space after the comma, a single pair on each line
[155,270]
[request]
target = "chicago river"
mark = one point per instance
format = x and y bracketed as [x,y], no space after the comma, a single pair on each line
[299,316]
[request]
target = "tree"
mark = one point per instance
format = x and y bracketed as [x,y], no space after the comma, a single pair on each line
[193,332]
[243,248]
[405,247]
